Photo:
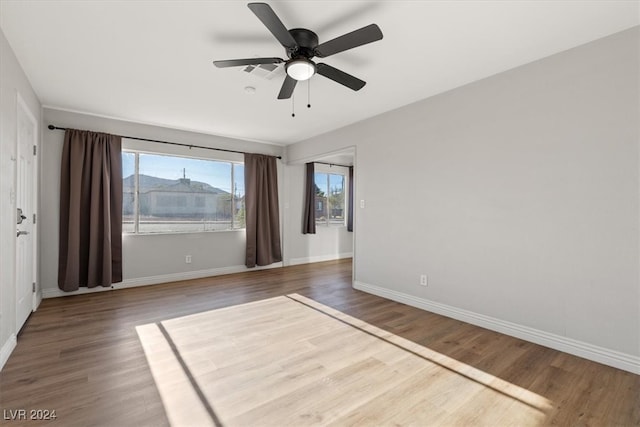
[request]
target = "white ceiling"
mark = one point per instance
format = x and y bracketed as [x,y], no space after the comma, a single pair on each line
[150,61]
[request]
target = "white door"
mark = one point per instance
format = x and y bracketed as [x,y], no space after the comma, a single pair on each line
[25,214]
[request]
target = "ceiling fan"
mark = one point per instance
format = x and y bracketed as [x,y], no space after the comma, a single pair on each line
[301,45]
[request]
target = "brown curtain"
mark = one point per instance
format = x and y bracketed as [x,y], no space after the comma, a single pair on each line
[350,202]
[262,211]
[309,216]
[90,210]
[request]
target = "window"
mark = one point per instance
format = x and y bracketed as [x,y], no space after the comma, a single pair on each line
[330,206]
[170,194]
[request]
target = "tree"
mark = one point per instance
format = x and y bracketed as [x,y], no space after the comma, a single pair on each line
[336,202]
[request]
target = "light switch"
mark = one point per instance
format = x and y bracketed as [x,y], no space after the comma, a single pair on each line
[362,203]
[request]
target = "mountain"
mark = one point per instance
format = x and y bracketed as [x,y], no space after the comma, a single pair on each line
[147,183]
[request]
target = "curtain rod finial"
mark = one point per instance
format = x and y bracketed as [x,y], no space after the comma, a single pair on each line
[51,127]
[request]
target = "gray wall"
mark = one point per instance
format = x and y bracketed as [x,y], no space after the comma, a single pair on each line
[148,259]
[517,195]
[13,81]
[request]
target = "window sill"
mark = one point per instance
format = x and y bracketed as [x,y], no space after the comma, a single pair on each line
[181,233]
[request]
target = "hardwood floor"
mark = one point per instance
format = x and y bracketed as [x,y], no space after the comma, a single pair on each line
[81,355]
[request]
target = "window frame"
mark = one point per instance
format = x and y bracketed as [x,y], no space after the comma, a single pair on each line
[134,149]
[334,170]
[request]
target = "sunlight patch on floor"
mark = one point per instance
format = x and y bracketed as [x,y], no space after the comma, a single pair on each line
[292,360]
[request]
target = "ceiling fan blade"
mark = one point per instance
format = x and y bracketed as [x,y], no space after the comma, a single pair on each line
[287,88]
[248,61]
[339,76]
[364,35]
[270,20]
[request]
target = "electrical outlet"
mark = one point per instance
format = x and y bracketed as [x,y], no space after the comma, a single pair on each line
[187,259]
[423,280]
[362,204]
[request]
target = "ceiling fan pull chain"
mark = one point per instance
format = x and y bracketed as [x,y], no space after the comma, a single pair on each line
[293,105]
[309,93]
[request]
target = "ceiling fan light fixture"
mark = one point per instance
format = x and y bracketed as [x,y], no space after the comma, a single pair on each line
[300,69]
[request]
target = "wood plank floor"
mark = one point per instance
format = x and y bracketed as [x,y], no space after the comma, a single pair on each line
[81,355]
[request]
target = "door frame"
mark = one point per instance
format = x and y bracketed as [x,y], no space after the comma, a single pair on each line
[36,296]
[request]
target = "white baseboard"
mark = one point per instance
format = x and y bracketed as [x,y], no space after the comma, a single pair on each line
[585,350]
[6,350]
[320,258]
[155,280]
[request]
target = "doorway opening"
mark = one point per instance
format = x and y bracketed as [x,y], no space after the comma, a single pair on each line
[335,175]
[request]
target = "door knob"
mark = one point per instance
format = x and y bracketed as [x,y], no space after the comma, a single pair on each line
[21,233]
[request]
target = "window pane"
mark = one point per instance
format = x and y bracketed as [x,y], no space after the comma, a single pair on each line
[128,192]
[336,199]
[178,194]
[321,197]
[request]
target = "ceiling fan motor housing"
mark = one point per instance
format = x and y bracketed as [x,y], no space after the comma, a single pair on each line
[307,42]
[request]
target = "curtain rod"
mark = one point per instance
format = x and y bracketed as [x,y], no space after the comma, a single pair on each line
[333,164]
[190,146]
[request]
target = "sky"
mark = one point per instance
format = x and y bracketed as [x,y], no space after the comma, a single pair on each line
[336,182]
[217,174]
